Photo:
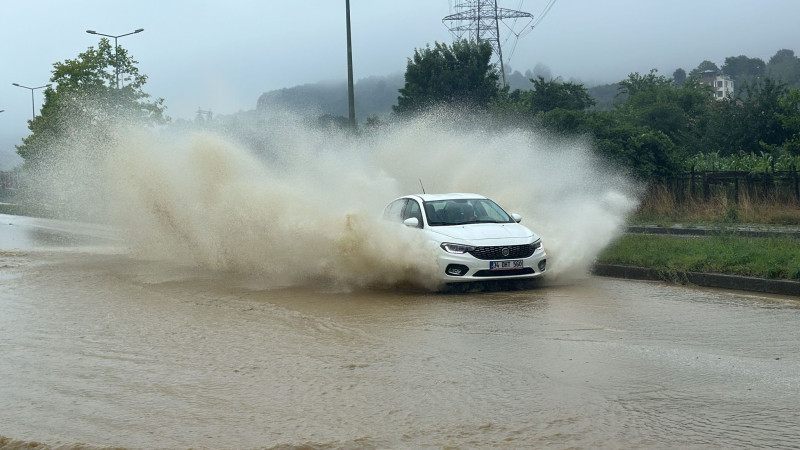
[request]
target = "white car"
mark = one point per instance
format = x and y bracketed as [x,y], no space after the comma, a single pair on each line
[477,239]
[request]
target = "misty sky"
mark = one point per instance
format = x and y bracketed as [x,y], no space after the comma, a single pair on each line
[221,55]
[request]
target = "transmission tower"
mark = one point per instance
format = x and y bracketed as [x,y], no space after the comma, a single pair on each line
[479,20]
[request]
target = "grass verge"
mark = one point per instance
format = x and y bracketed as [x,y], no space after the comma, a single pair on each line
[772,258]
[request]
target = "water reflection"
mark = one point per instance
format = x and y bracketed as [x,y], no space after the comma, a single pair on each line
[27,233]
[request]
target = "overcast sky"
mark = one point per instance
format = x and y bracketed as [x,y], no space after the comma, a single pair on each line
[220,55]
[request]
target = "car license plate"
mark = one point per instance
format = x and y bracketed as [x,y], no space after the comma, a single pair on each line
[505,265]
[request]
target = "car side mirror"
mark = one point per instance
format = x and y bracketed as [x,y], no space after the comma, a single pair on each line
[517,218]
[411,222]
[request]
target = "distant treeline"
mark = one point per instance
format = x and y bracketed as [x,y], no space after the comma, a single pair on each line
[375,96]
[651,125]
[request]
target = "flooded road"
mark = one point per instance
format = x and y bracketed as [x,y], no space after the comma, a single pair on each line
[100,348]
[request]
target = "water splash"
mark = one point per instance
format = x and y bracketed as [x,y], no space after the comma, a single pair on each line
[296,204]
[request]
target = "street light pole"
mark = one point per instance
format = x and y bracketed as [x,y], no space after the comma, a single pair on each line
[116,60]
[350,96]
[33,108]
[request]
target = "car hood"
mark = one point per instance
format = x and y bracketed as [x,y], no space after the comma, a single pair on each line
[473,233]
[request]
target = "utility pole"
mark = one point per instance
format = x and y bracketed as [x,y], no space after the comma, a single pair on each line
[350,95]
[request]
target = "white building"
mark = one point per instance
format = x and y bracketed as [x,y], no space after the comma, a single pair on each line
[722,84]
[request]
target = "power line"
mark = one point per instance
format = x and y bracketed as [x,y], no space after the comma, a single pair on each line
[543,13]
[479,20]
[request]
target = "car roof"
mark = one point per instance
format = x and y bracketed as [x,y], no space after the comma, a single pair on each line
[451,196]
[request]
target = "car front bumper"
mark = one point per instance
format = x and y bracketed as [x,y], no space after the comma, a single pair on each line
[457,268]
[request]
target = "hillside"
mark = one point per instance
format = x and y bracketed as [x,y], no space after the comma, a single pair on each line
[374,96]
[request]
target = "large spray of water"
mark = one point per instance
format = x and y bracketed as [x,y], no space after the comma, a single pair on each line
[295,204]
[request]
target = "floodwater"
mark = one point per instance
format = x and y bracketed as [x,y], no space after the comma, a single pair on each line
[101,348]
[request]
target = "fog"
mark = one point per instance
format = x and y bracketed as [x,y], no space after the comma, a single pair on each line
[221,56]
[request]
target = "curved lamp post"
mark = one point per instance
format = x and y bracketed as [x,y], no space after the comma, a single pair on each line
[33,108]
[116,61]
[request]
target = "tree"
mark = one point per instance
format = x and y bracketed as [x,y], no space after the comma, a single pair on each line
[606,96]
[703,67]
[789,116]
[781,56]
[668,122]
[460,74]
[749,122]
[637,83]
[541,70]
[679,77]
[784,66]
[743,70]
[642,150]
[761,122]
[87,102]
[552,94]
[551,104]
[563,121]
[742,66]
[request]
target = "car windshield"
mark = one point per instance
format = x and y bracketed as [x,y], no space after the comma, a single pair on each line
[464,211]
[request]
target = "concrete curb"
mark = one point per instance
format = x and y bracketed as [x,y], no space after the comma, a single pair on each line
[710,231]
[713,280]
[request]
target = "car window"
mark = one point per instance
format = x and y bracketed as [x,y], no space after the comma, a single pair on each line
[460,212]
[394,211]
[492,211]
[432,214]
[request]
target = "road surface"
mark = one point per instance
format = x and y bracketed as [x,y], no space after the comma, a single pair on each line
[99,348]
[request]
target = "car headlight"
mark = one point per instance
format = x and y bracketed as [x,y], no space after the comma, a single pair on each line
[537,245]
[449,247]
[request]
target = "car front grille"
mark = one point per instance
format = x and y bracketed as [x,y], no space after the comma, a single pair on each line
[505,252]
[504,273]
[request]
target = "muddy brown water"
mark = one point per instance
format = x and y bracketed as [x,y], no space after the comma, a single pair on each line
[98,348]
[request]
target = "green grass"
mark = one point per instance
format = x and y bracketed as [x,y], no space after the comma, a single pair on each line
[774,258]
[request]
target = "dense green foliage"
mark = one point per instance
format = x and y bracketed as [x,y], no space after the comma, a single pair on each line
[458,75]
[87,100]
[727,253]
[704,67]
[549,95]
[762,162]
[784,67]
[656,126]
